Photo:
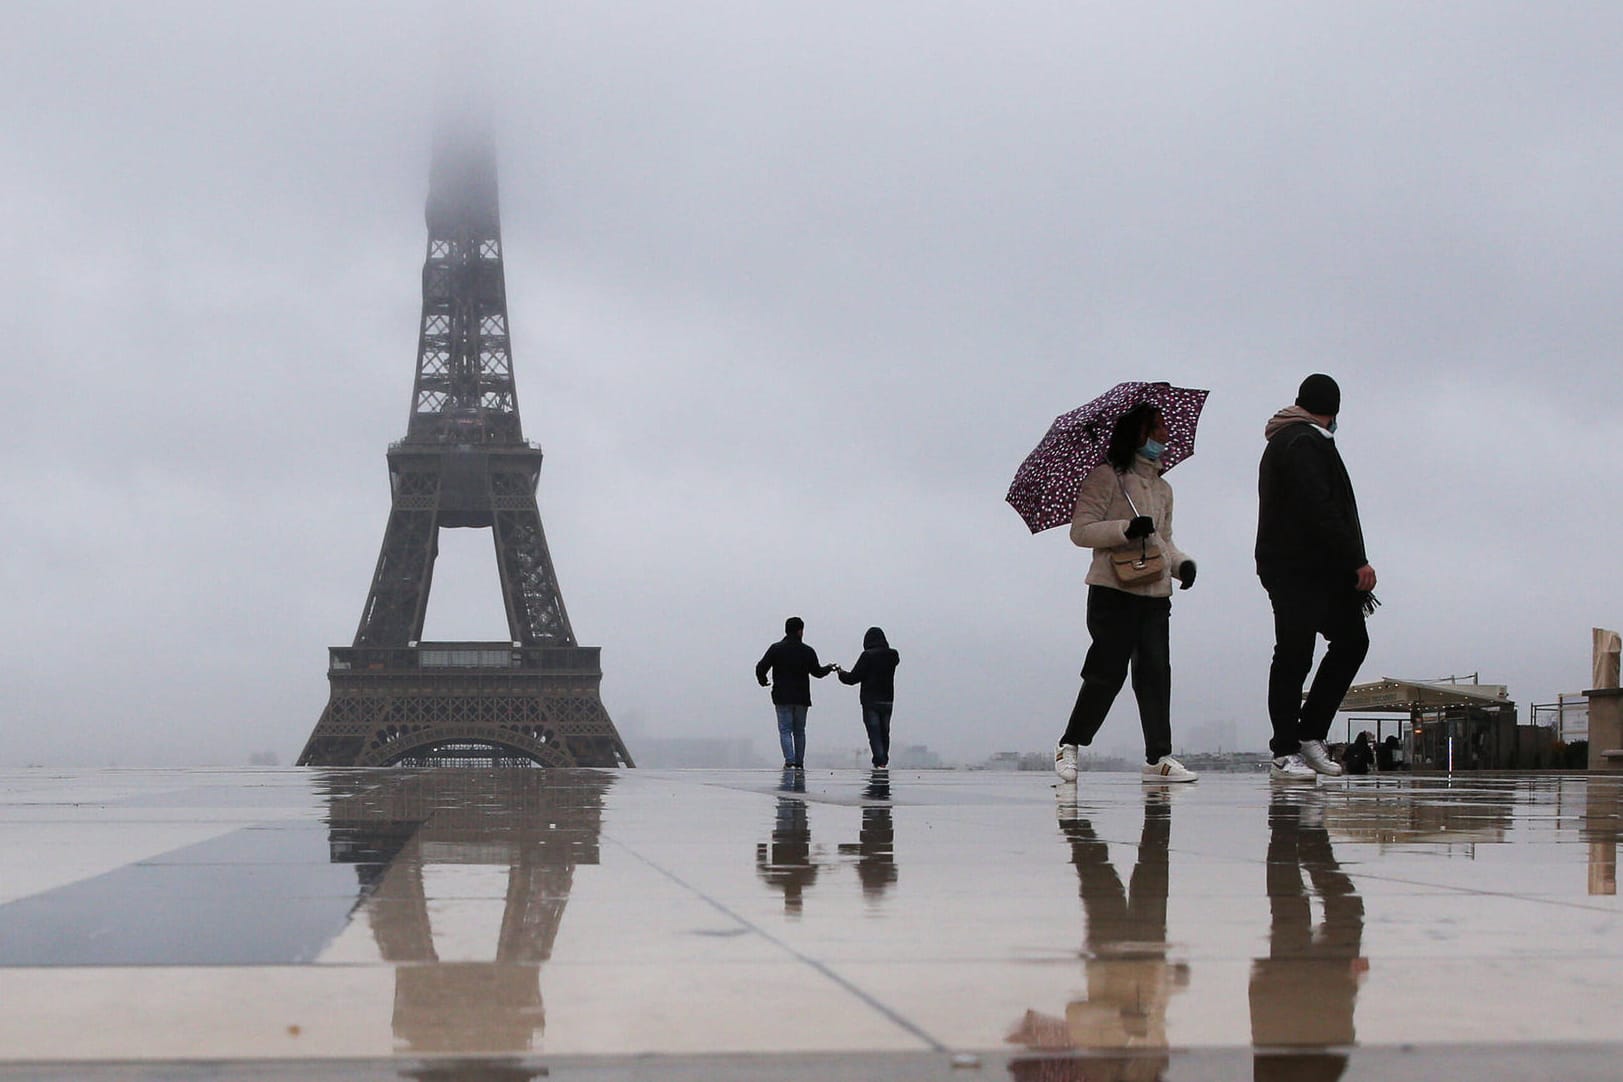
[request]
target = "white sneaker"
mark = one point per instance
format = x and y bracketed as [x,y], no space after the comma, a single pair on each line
[1291,768]
[1065,761]
[1167,768]
[1317,756]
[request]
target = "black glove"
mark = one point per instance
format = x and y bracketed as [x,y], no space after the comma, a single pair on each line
[1186,574]
[1142,526]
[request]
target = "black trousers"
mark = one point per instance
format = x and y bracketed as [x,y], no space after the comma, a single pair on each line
[1302,612]
[1128,631]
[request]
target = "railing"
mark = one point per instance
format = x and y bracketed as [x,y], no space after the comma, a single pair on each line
[463,656]
[441,441]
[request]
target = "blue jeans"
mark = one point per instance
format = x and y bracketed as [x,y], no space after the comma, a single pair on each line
[876,719]
[792,733]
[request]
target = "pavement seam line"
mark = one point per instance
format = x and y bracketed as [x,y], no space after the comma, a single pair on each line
[895,1017]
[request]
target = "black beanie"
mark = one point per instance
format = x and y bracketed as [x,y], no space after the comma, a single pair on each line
[1319,394]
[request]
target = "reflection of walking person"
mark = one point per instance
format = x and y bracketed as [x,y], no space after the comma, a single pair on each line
[875,847]
[1130,980]
[785,862]
[1302,994]
[791,663]
[875,672]
[1126,503]
[1310,558]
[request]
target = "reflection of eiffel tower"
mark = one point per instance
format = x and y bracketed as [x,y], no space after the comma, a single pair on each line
[464,463]
[538,824]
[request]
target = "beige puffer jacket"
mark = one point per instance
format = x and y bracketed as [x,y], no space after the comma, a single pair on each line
[1101,517]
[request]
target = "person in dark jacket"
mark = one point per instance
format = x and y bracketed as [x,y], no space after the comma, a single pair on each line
[1311,560]
[792,663]
[1359,756]
[875,671]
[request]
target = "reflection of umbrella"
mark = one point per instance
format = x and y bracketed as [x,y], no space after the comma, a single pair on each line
[1045,486]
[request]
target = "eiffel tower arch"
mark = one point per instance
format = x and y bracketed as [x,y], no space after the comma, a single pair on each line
[533,698]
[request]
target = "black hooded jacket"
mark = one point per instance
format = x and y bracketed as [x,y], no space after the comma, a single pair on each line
[1308,532]
[875,670]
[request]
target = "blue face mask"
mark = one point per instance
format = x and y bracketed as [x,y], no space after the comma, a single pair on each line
[1331,427]
[1152,449]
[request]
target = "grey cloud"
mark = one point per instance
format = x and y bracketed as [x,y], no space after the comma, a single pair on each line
[794,288]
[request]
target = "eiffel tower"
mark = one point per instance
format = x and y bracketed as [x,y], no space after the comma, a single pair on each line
[534,698]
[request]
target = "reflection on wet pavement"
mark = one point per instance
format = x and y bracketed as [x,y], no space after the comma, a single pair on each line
[191,906]
[535,826]
[1601,817]
[785,863]
[1129,978]
[875,847]
[1302,994]
[429,924]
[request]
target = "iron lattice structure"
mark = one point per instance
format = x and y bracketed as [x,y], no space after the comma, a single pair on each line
[464,463]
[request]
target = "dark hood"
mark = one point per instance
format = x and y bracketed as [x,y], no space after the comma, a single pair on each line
[875,640]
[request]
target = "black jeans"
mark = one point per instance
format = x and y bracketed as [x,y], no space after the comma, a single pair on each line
[876,719]
[1127,630]
[1302,612]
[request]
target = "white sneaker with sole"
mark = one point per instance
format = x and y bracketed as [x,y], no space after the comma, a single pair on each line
[1291,768]
[1065,761]
[1167,768]
[1317,756]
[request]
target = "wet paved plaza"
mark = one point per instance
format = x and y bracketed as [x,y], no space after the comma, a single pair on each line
[745,924]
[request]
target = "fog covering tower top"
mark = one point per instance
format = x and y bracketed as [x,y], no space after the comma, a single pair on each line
[464,391]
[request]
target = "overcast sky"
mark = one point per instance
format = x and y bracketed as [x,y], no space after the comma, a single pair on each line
[794,288]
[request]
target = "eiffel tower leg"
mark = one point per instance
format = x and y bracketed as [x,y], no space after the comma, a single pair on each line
[588,732]
[398,600]
[332,742]
[535,607]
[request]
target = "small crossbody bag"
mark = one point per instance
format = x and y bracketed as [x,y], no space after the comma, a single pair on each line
[1136,564]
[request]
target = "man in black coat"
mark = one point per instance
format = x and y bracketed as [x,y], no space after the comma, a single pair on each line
[792,663]
[1311,560]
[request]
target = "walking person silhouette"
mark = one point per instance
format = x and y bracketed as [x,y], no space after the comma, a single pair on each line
[875,673]
[791,664]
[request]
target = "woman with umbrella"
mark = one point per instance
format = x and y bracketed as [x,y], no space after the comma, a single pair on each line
[1123,512]
[1126,505]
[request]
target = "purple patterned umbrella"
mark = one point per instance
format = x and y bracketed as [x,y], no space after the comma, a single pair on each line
[1045,486]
